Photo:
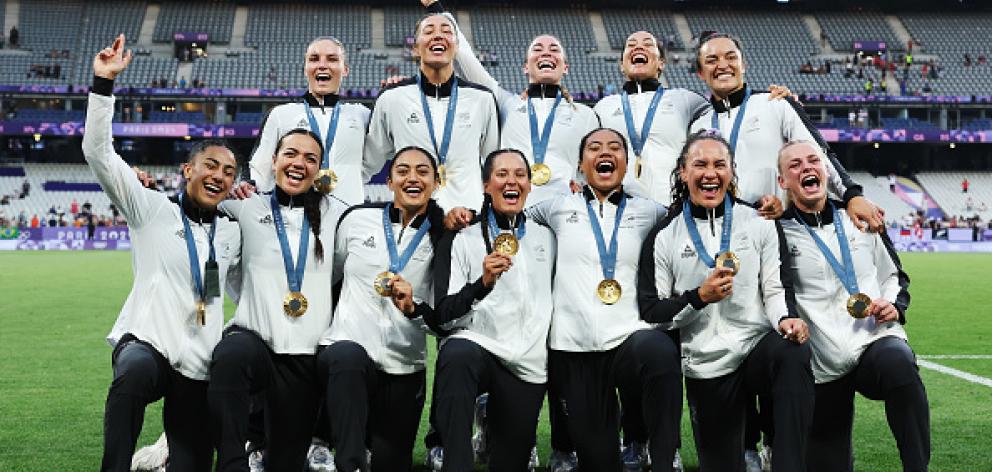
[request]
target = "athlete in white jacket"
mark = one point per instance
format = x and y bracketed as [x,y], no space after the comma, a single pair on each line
[374,365]
[270,345]
[855,348]
[341,125]
[712,270]
[172,319]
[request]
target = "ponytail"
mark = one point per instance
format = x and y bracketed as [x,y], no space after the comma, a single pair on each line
[311,210]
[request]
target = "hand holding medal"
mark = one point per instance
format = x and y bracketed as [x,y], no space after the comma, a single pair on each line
[383,282]
[493,266]
[717,286]
[402,295]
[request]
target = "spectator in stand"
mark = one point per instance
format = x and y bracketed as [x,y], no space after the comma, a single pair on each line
[35,222]
[15,37]
[969,204]
[981,59]
[967,60]
[25,188]
[884,86]
[182,82]
[869,86]
[902,86]
[74,207]
[964,185]
[848,68]
[22,219]
[892,183]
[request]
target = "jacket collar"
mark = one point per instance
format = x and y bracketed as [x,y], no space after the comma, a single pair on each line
[649,85]
[329,100]
[735,99]
[614,196]
[503,221]
[291,201]
[394,215]
[431,90]
[816,219]
[543,90]
[703,213]
[193,212]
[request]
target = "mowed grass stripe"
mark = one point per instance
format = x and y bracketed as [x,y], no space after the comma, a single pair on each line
[55,365]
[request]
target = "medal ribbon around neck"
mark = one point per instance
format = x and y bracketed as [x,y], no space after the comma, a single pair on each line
[607,257]
[494,228]
[332,130]
[844,272]
[728,222]
[637,141]
[294,275]
[540,143]
[715,122]
[194,260]
[449,119]
[397,262]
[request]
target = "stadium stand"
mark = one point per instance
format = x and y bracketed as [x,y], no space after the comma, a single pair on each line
[620,23]
[103,20]
[843,29]
[399,23]
[951,36]
[945,189]
[876,189]
[214,17]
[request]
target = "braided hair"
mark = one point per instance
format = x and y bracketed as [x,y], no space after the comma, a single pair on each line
[680,189]
[311,199]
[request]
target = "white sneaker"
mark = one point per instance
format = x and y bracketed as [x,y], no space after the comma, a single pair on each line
[752,461]
[677,462]
[319,458]
[152,457]
[534,462]
[563,462]
[634,457]
[479,447]
[766,458]
[435,458]
[256,460]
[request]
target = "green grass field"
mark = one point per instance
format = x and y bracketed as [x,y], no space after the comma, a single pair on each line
[55,365]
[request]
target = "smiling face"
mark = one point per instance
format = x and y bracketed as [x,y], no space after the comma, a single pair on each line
[802,173]
[509,183]
[412,179]
[296,162]
[209,176]
[708,172]
[435,42]
[721,66]
[604,160]
[545,61]
[325,67]
[641,58]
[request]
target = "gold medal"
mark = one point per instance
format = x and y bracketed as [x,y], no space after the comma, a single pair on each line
[381,283]
[728,260]
[201,313]
[609,291]
[857,305]
[637,167]
[326,181]
[506,243]
[295,304]
[540,174]
[442,175]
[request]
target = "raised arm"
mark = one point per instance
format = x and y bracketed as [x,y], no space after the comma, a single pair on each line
[260,165]
[467,65]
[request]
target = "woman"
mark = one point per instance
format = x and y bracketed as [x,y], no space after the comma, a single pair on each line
[270,345]
[172,319]
[712,270]
[374,363]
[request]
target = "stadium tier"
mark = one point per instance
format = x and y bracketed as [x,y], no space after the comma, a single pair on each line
[258,45]
[946,190]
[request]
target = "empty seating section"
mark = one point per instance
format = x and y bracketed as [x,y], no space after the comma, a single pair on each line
[399,23]
[214,17]
[951,36]
[843,29]
[945,188]
[876,189]
[620,23]
[102,21]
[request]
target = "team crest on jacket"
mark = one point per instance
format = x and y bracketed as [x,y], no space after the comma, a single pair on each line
[265,220]
[370,243]
[617,112]
[413,118]
[181,233]
[688,252]
[573,218]
[303,124]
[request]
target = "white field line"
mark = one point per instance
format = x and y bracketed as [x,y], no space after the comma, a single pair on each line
[956,356]
[957,373]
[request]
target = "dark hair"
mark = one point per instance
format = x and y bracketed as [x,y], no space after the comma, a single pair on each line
[680,189]
[430,158]
[198,147]
[416,29]
[707,36]
[487,166]
[582,142]
[311,199]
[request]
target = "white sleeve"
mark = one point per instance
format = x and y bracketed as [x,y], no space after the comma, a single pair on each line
[885,270]
[490,137]
[116,177]
[772,290]
[540,212]
[234,273]
[664,282]
[379,146]
[468,66]
[260,164]
[340,249]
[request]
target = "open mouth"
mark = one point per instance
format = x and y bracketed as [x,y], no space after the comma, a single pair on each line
[810,183]
[323,77]
[438,49]
[724,75]
[709,189]
[511,196]
[546,65]
[413,190]
[294,176]
[605,168]
[213,190]
[638,58]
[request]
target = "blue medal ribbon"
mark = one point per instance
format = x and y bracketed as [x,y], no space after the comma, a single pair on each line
[728,221]
[449,119]
[494,230]
[844,272]
[637,140]
[397,262]
[715,122]
[607,257]
[332,130]
[194,259]
[294,275]
[540,143]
